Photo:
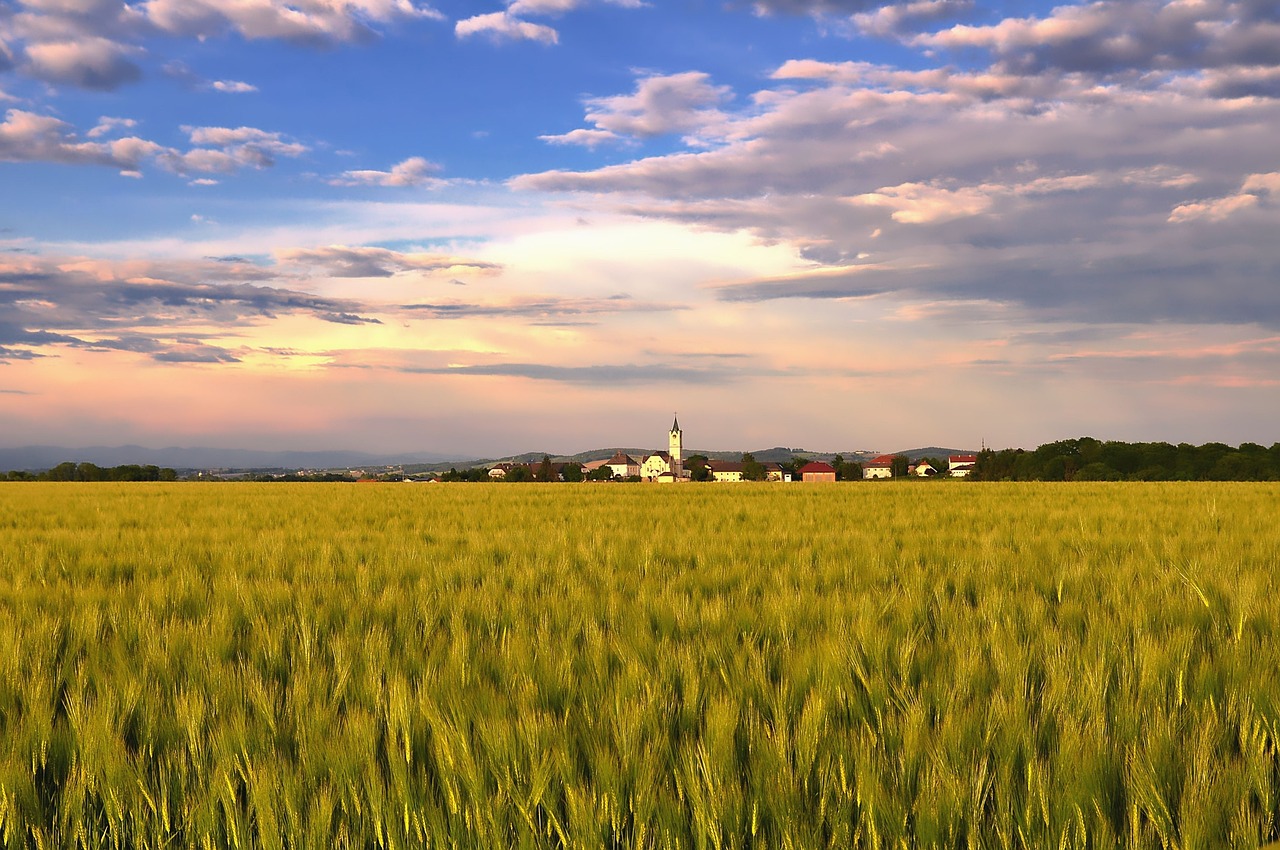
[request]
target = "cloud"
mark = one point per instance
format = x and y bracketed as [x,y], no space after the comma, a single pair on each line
[414,171]
[920,203]
[183,74]
[344,261]
[823,283]
[896,20]
[92,43]
[510,25]
[1255,188]
[107,125]
[581,136]
[30,137]
[502,26]
[248,145]
[313,22]
[673,103]
[1050,192]
[146,307]
[596,375]
[544,307]
[1215,210]
[1121,35]
[815,8]
[91,63]
[232,87]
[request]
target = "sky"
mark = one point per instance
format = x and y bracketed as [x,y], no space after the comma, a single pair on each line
[547,225]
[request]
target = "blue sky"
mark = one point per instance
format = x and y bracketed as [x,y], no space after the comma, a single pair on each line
[547,224]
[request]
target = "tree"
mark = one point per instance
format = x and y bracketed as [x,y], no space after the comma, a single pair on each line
[601,473]
[572,471]
[519,472]
[899,465]
[697,466]
[546,470]
[752,469]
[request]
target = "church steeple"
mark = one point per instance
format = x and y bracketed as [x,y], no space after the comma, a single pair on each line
[675,448]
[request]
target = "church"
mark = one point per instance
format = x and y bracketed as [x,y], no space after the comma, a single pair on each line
[667,467]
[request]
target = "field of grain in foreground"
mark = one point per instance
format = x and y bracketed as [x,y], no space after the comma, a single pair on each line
[489,666]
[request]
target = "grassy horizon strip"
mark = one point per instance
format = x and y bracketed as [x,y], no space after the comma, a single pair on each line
[551,666]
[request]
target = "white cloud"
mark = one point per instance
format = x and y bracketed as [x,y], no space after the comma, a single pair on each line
[414,171]
[894,19]
[93,43]
[31,137]
[510,24]
[232,87]
[241,146]
[502,26]
[1262,183]
[1121,35]
[1042,190]
[107,124]
[91,63]
[308,21]
[661,104]
[919,203]
[582,136]
[1254,188]
[1215,210]
[345,261]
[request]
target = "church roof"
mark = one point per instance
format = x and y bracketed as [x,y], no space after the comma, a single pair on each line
[675,424]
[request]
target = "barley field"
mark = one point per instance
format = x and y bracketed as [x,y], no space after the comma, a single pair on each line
[905,665]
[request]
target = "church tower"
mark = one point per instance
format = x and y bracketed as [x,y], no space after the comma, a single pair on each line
[675,448]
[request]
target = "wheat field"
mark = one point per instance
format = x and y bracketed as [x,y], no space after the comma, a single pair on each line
[908,665]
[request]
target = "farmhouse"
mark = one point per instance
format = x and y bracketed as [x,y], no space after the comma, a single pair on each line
[623,465]
[817,471]
[725,470]
[960,466]
[880,467]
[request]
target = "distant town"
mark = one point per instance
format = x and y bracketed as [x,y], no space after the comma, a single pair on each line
[1079,459]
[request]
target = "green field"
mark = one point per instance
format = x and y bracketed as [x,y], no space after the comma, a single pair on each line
[598,666]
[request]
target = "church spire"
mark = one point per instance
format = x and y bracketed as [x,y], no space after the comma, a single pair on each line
[675,424]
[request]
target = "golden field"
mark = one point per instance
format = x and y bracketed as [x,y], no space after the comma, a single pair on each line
[914,664]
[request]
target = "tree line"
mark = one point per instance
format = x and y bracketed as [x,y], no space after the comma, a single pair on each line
[69,471]
[1088,459]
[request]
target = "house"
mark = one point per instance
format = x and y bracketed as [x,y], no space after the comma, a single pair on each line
[960,466]
[774,472]
[500,470]
[725,470]
[880,467]
[623,465]
[817,471]
[654,465]
[923,469]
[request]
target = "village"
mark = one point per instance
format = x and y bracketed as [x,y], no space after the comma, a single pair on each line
[672,466]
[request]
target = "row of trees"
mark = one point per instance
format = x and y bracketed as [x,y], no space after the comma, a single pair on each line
[1087,459]
[69,471]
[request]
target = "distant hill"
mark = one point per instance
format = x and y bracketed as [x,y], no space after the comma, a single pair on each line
[36,458]
[935,452]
